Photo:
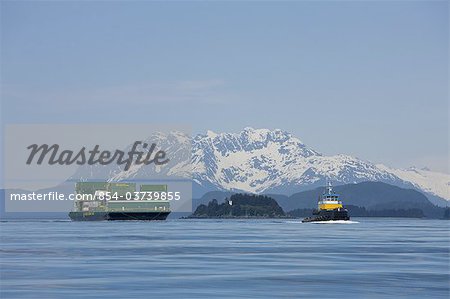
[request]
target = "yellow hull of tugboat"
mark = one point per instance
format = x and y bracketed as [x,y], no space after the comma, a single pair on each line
[330,206]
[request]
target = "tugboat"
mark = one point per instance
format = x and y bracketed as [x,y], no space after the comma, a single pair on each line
[329,208]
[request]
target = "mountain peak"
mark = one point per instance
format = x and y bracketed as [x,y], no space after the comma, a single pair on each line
[256,135]
[211,134]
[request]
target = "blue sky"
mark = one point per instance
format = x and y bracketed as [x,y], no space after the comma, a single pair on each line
[368,79]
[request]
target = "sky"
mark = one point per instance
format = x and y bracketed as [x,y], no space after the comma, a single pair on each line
[369,79]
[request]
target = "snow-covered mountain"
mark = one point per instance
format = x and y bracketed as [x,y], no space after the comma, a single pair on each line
[266,161]
[432,182]
[263,161]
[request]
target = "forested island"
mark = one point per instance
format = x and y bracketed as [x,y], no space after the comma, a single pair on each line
[241,206]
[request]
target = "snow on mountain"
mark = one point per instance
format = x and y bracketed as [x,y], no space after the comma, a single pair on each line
[260,160]
[429,181]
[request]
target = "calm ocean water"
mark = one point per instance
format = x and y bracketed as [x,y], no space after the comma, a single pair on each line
[375,258]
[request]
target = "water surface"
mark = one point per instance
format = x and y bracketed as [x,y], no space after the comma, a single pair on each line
[375,258]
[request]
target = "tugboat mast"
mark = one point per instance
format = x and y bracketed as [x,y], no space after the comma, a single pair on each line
[330,188]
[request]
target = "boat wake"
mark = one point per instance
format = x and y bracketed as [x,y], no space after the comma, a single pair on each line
[326,222]
[335,222]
